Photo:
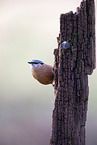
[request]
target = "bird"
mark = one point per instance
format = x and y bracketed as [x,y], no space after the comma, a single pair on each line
[42,72]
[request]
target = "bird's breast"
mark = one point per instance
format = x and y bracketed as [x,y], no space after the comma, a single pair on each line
[44,74]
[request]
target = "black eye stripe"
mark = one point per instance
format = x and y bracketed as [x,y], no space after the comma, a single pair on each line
[36,63]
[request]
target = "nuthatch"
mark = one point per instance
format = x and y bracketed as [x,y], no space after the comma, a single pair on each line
[42,72]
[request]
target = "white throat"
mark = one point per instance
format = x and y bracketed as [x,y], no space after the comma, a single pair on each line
[35,65]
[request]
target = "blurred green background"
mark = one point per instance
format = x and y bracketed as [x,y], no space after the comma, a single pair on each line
[28,30]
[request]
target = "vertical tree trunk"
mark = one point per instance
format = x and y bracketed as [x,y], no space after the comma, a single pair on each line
[73,64]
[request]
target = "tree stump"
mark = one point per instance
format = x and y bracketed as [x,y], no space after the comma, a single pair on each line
[74,61]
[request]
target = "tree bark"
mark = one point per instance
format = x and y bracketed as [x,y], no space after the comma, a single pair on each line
[73,64]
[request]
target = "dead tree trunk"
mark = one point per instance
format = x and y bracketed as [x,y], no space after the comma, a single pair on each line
[73,64]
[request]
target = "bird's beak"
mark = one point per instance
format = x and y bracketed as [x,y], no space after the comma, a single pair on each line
[30,62]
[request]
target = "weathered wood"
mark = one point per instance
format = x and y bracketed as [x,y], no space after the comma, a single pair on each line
[72,67]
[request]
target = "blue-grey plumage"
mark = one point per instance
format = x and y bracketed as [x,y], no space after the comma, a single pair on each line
[65,45]
[42,72]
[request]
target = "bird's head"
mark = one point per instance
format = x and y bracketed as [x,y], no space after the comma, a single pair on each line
[36,63]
